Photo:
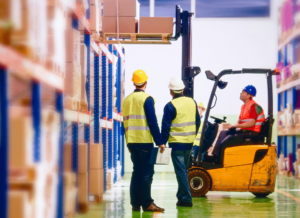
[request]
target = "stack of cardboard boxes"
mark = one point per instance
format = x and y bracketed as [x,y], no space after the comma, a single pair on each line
[96,172]
[36,171]
[83,65]
[83,176]
[125,19]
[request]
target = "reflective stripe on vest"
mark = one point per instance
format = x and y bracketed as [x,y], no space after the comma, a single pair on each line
[134,119]
[183,127]
[244,116]
[198,137]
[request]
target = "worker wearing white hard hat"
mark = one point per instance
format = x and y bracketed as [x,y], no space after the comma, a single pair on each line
[179,127]
[201,109]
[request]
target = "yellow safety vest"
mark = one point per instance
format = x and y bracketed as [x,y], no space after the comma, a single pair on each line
[198,137]
[183,127]
[134,119]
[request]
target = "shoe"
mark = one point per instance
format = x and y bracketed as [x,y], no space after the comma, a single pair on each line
[184,204]
[154,208]
[136,208]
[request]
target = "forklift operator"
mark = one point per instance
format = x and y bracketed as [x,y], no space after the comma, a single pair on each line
[249,123]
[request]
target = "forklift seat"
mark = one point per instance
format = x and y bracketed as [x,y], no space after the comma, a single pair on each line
[249,140]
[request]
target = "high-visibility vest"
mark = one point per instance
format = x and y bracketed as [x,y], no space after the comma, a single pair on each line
[198,137]
[244,116]
[134,118]
[183,127]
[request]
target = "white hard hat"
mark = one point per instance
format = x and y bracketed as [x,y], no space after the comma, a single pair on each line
[176,85]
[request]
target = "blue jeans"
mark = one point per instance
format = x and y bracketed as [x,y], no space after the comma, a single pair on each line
[181,160]
[142,176]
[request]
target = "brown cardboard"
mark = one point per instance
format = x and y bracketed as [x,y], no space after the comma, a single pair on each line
[126,25]
[67,157]
[126,8]
[82,158]
[96,182]
[69,179]
[156,25]
[96,156]
[73,80]
[83,188]
[72,45]
[21,141]
[18,204]
[69,200]
[94,21]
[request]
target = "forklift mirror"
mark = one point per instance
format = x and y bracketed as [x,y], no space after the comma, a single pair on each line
[222,84]
[191,72]
[210,75]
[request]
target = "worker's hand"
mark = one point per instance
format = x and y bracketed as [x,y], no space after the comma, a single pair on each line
[162,148]
[232,126]
[129,151]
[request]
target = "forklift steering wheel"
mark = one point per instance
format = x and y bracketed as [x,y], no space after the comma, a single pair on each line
[218,120]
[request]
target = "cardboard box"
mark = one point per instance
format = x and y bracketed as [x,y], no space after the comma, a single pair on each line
[70,200]
[82,158]
[83,188]
[73,80]
[126,25]
[156,25]
[69,179]
[94,21]
[126,8]
[21,141]
[72,43]
[18,205]
[67,157]
[83,58]
[96,156]
[96,182]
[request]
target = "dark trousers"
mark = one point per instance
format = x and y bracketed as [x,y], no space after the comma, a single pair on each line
[226,134]
[181,160]
[142,176]
[195,152]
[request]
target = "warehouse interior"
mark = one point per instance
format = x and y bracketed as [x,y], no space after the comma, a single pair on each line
[66,67]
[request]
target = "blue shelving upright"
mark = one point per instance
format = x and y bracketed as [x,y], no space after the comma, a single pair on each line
[110,110]
[104,117]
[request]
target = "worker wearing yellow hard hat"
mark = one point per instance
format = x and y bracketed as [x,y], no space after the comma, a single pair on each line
[141,129]
[201,108]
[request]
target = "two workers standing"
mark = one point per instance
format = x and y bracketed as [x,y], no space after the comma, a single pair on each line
[180,124]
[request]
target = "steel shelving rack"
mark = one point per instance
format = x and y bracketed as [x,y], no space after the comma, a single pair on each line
[286,141]
[13,63]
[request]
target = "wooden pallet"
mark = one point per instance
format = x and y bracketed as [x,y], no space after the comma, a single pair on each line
[135,38]
[83,107]
[97,199]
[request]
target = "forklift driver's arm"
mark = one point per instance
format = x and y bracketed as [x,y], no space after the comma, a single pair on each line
[248,124]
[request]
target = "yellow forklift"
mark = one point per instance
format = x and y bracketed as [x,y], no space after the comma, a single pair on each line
[246,164]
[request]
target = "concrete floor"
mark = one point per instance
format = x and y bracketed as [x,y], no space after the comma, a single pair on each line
[285,202]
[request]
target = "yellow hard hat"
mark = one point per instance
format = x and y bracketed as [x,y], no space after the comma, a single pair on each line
[139,77]
[201,104]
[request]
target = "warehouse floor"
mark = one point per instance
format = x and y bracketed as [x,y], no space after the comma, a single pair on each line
[285,202]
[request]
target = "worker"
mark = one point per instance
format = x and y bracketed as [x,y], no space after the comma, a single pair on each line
[141,129]
[201,109]
[179,127]
[249,123]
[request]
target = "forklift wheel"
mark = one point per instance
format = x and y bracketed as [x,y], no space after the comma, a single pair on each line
[261,195]
[199,182]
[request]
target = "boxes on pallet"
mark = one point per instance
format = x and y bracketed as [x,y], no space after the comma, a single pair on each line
[83,58]
[126,8]
[83,188]
[156,25]
[19,205]
[96,156]
[70,193]
[21,141]
[72,44]
[82,158]
[126,25]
